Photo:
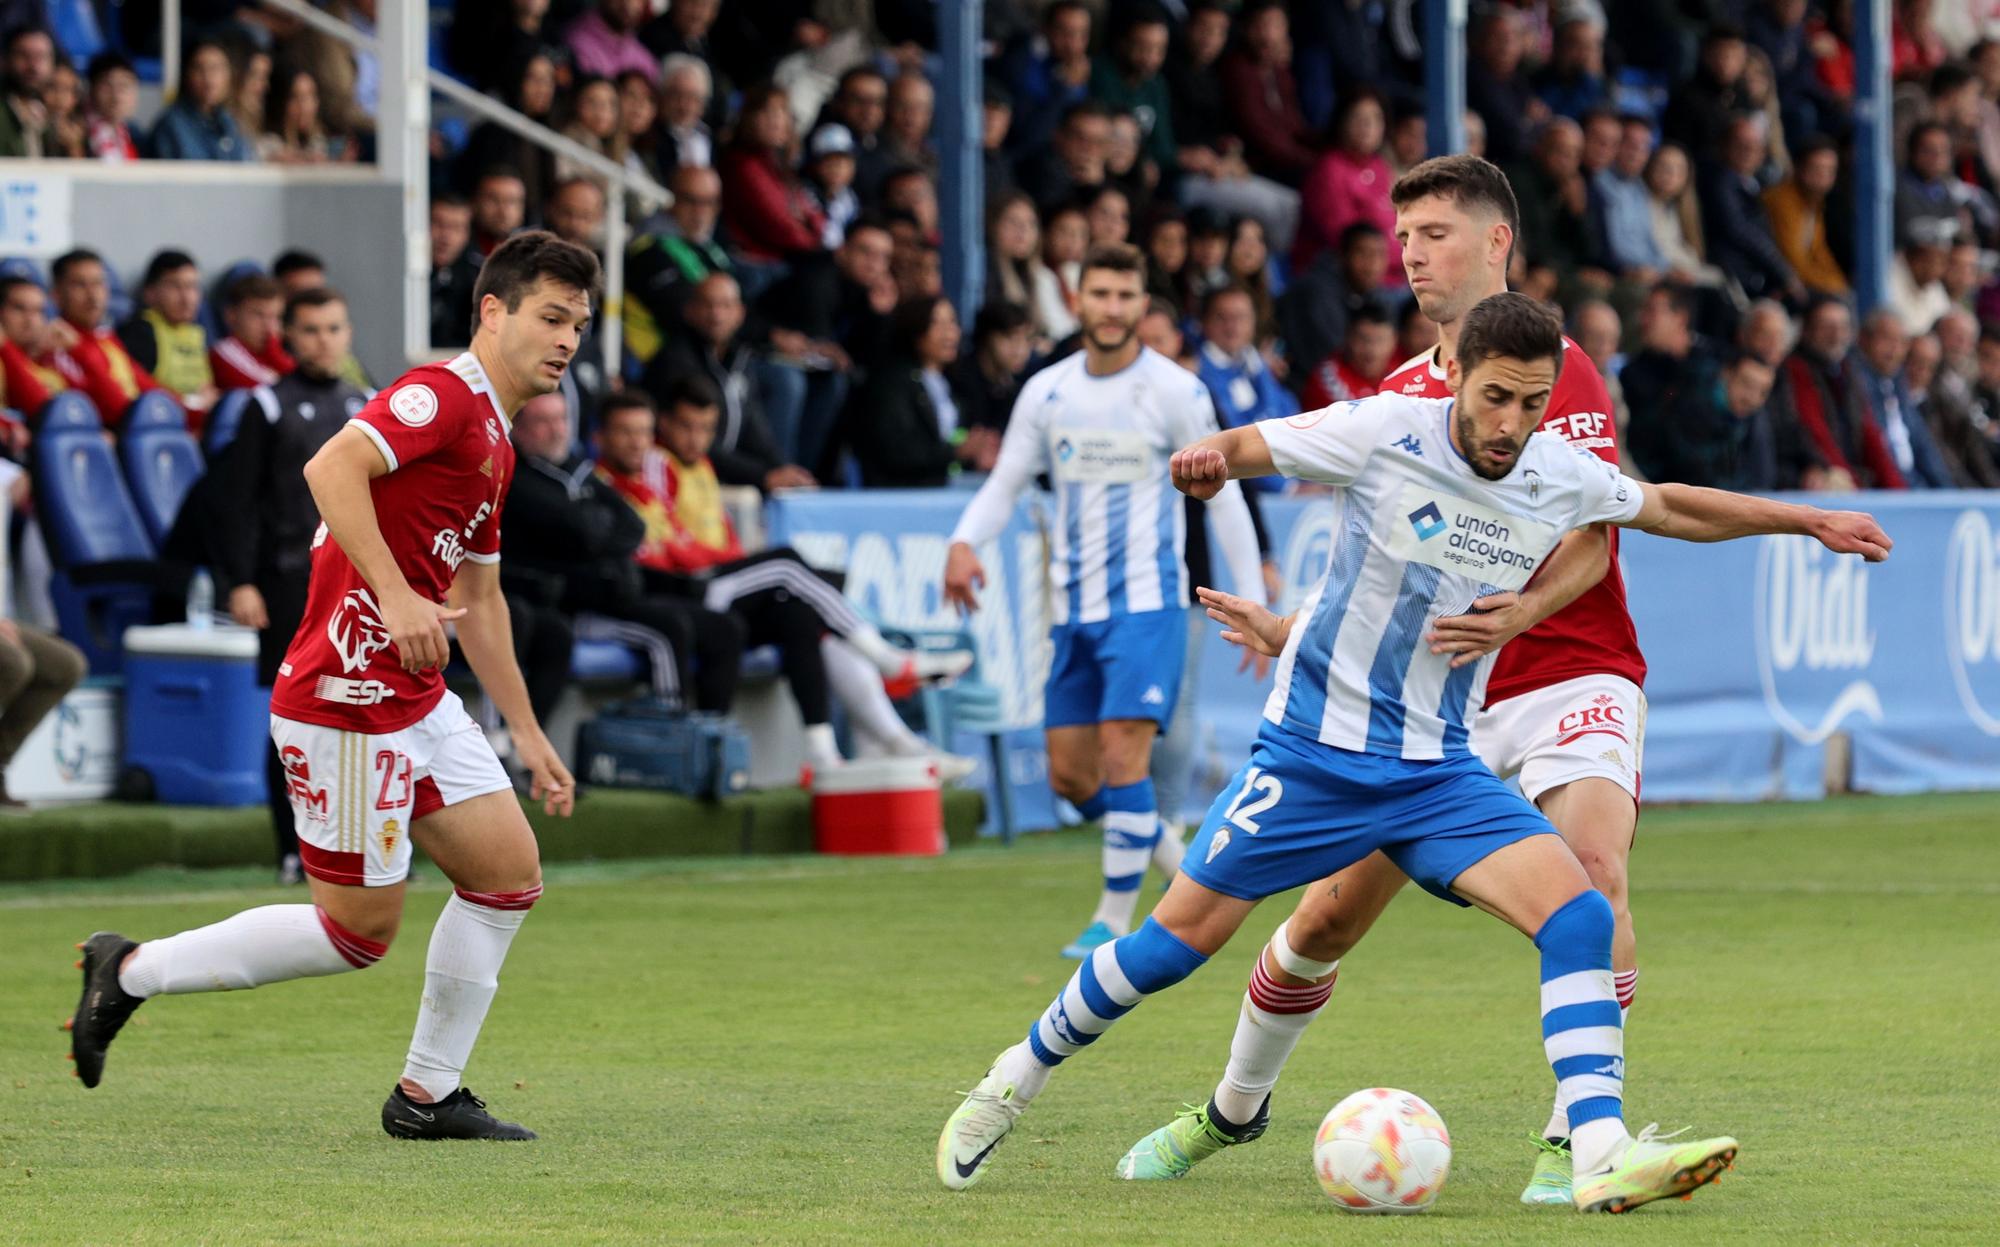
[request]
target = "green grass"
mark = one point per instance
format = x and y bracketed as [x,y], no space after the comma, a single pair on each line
[763,1051]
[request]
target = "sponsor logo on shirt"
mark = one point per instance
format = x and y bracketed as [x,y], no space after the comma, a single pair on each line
[352,692]
[1603,716]
[448,547]
[1468,539]
[1428,521]
[357,632]
[1106,456]
[415,405]
[1409,444]
[305,798]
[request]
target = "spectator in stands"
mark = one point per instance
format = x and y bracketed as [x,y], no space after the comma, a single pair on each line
[860,103]
[253,353]
[29,53]
[37,670]
[1235,372]
[1160,329]
[1672,357]
[454,271]
[1263,99]
[1597,329]
[833,315]
[1409,141]
[1985,381]
[1916,278]
[1558,227]
[1065,240]
[1699,109]
[1738,232]
[746,451]
[1210,160]
[112,102]
[499,207]
[915,264]
[1129,81]
[483,49]
[1677,219]
[639,122]
[28,342]
[1778,29]
[829,181]
[1316,306]
[1107,215]
[906,132]
[764,209]
[904,425]
[256,521]
[1416,333]
[63,102]
[298,271]
[1015,272]
[1965,274]
[996,118]
[1573,83]
[1497,87]
[294,132]
[575,213]
[1888,403]
[166,338]
[1165,238]
[1765,332]
[1817,396]
[605,41]
[1349,184]
[1602,132]
[685,139]
[1985,57]
[1624,206]
[1718,434]
[593,125]
[683,30]
[1946,411]
[1931,199]
[1248,264]
[1075,162]
[1052,76]
[1958,343]
[1207,267]
[987,380]
[910,193]
[199,125]
[1797,209]
[250,99]
[661,266]
[1126,167]
[531,91]
[1357,369]
[98,363]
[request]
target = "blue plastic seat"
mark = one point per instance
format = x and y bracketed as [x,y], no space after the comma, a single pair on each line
[105,561]
[162,461]
[224,420]
[605,660]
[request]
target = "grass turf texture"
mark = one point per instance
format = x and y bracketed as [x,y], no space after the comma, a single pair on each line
[764,1051]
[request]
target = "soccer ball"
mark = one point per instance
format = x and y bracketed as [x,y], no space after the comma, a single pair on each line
[1382,1150]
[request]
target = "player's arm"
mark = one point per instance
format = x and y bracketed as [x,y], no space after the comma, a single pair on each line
[1023,453]
[486,637]
[1692,513]
[1202,469]
[1573,568]
[339,476]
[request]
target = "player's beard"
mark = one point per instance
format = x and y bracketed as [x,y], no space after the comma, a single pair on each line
[1474,449]
[1092,334]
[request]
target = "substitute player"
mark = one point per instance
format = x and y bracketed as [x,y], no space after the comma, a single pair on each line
[377,752]
[1564,710]
[1365,745]
[1101,423]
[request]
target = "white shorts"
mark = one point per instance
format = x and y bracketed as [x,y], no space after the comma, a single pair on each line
[1591,727]
[355,795]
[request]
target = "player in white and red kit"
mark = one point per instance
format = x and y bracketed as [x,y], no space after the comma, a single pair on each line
[377,751]
[1564,709]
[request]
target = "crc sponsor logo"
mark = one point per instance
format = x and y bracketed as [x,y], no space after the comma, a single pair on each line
[305,798]
[1972,617]
[1811,622]
[356,630]
[1468,539]
[1602,717]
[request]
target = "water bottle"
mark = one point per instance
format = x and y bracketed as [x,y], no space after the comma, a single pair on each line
[201,600]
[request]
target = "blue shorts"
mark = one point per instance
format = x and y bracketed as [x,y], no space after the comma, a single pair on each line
[1125,667]
[1300,811]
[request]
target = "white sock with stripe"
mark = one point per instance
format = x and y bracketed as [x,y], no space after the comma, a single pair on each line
[1274,1016]
[461,973]
[269,944]
[1626,984]
[1582,1027]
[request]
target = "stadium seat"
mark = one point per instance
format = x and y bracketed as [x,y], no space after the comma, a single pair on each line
[162,461]
[605,660]
[223,422]
[105,568]
[76,28]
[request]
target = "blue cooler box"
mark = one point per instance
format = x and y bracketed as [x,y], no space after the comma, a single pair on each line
[195,718]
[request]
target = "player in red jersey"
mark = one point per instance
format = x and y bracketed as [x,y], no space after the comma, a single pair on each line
[378,752]
[1564,709]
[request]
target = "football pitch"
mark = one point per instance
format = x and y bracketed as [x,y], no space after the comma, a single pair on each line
[763,1051]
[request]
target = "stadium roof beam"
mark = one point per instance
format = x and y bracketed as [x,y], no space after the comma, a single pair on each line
[958,125]
[1874,161]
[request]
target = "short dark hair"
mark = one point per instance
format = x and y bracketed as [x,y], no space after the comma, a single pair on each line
[105,64]
[15,34]
[526,258]
[626,400]
[912,320]
[1370,313]
[491,172]
[450,199]
[859,71]
[1812,145]
[1230,288]
[1678,294]
[1510,325]
[1948,77]
[1358,230]
[70,259]
[164,262]
[295,261]
[1116,257]
[1471,182]
[1060,6]
[1086,108]
[10,282]
[1989,331]
[1917,133]
[249,288]
[1161,305]
[999,317]
[690,389]
[318,296]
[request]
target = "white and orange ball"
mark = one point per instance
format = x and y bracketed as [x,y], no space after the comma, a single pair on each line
[1382,1150]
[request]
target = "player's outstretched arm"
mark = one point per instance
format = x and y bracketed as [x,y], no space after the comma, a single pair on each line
[1022,455]
[338,477]
[486,636]
[1202,469]
[1692,513]
[1247,623]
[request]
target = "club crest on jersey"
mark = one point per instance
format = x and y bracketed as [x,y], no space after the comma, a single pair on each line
[414,405]
[390,833]
[356,630]
[1534,480]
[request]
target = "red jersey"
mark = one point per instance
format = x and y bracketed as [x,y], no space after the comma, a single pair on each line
[687,529]
[25,385]
[1336,381]
[103,369]
[1592,635]
[237,367]
[444,437]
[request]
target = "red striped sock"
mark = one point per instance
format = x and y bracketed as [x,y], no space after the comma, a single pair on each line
[1274,997]
[1626,984]
[502,900]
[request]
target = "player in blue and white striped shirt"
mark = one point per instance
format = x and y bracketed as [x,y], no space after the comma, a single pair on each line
[1102,424]
[1364,746]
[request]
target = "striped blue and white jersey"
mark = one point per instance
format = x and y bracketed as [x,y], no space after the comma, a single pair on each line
[1104,442]
[1420,536]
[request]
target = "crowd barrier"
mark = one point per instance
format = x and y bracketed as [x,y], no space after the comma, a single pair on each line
[1767,656]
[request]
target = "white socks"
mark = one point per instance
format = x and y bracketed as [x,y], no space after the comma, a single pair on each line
[461,973]
[258,946]
[822,750]
[1019,1066]
[1274,1016]
[1169,849]
[1626,984]
[858,686]
[872,645]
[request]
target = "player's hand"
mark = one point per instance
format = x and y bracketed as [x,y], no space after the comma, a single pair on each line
[1246,623]
[63,335]
[1256,663]
[963,574]
[1501,617]
[549,781]
[416,629]
[1199,471]
[1853,532]
[246,607]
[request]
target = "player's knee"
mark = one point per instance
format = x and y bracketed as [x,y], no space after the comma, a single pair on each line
[1323,932]
[510,899]
[362,938]
[1607,874]
[1585,921]
[1073,784]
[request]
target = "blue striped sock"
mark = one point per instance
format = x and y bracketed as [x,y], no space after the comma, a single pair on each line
[1092,807]
[1114,978]
[1582,1030]
[1131,827]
